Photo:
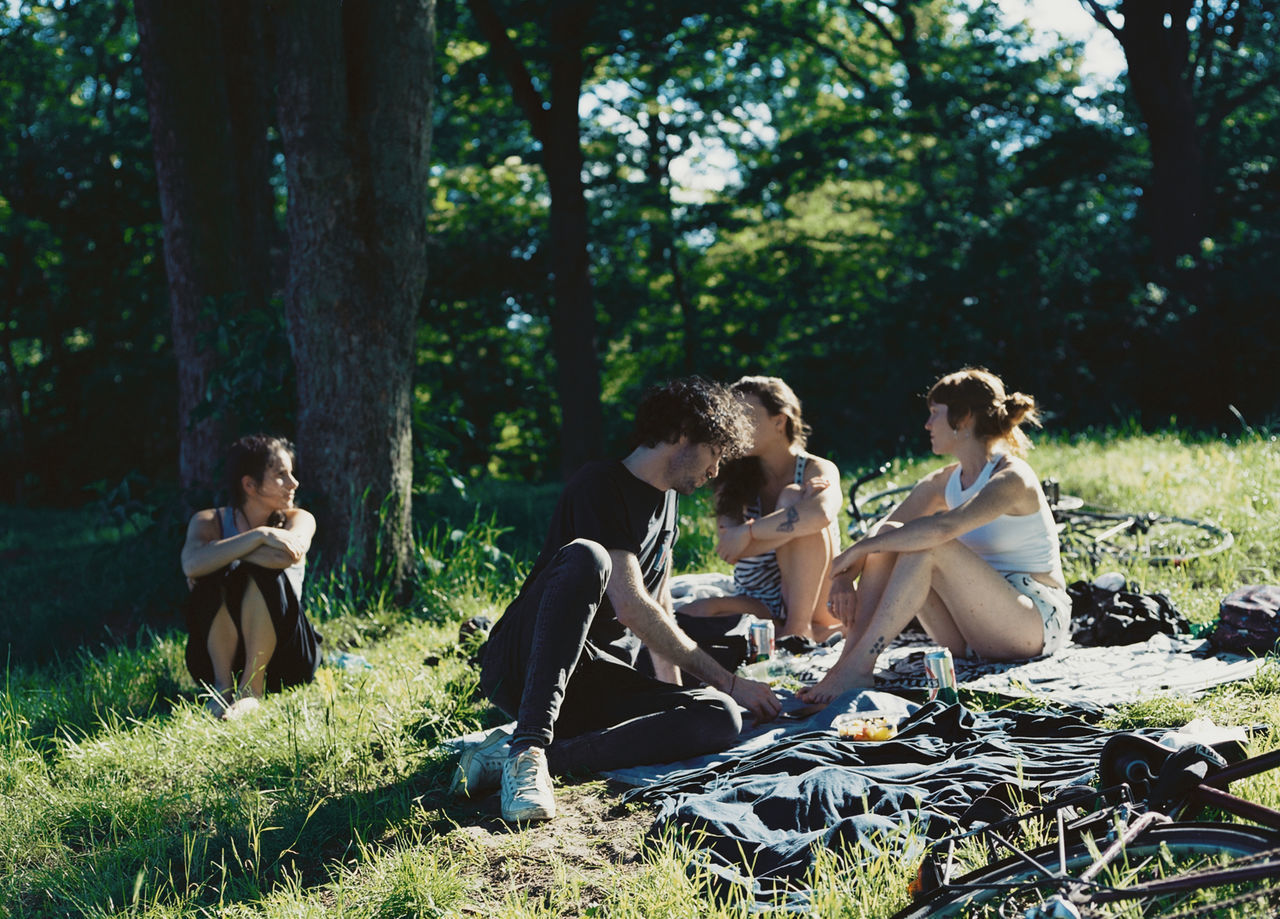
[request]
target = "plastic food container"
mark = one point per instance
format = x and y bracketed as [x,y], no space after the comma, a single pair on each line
[864,726]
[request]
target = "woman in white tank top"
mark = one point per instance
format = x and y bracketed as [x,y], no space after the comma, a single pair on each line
[972,552]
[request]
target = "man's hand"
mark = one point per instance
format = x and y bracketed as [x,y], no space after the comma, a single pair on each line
[733,541]
[756,697]
[849,562]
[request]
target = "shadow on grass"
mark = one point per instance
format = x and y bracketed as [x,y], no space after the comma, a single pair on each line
[152,851]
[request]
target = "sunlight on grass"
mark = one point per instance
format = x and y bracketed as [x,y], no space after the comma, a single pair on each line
[120,796]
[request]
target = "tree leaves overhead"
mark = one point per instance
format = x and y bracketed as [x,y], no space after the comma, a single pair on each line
[856,195]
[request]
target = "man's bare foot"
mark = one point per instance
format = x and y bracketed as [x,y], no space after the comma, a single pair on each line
[242,707]
[834,685]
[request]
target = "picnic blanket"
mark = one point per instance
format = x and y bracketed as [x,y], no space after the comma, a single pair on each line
[1086,678]
[755,813]
[756,817]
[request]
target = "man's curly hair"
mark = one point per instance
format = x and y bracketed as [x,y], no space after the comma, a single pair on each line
[705,412]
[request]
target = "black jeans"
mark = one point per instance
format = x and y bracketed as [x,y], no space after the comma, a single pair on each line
[589,710]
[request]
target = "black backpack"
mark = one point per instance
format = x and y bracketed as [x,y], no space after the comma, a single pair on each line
[1101,617]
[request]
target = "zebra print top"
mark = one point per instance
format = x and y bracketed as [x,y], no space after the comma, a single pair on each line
[759,576]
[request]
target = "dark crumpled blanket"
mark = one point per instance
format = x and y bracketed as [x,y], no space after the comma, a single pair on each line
[760,816]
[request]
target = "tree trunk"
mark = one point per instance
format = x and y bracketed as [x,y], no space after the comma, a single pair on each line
[182,64]
[355,92]
[13,450]
[249,77]
[573,324]
[1158,64]
[573,318]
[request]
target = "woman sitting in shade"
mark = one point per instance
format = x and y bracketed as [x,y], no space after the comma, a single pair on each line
[244,563]
[777,510]
[972,552]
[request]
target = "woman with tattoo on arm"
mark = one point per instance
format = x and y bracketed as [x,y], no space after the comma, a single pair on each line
[244,564]
[972,552]
[777,510]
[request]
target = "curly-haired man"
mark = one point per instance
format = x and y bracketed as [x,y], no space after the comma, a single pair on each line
[560,660]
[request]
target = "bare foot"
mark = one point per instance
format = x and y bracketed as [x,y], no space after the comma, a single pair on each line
[242,707]
[835,684]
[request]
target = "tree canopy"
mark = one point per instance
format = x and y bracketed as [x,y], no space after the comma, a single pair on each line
[855,195]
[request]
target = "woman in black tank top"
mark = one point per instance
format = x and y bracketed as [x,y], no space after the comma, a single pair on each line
[243,562]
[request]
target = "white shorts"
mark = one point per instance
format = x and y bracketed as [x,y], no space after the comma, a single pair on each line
[1054,605]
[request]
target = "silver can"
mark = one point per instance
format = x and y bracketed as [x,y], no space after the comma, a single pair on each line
[760,641]
[940,670]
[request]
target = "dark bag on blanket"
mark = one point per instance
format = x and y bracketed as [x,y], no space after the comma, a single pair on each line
[1101,617]
[1248,620]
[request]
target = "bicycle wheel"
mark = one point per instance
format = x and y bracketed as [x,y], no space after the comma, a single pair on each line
[1095,537]
[1191,853]
[868,511]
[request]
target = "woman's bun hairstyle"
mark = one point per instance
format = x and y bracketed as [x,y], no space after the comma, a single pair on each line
[997,415]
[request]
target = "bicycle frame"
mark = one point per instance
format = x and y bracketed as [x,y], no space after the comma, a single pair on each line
[1081,890]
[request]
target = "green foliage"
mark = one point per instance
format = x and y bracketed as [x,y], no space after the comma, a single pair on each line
[253,381]
[854,200]
[85,369]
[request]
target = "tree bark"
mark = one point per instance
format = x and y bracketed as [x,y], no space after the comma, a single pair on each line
[1159,64]
[355,91]
[1160,78]
[249,76]
[573,326]
[182,64]
[573,319]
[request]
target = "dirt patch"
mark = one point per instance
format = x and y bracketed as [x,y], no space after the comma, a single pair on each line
[570,863]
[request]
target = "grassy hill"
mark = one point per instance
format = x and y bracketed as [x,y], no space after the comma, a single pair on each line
[119,796]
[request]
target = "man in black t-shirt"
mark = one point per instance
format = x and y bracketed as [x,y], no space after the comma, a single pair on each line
[560,660]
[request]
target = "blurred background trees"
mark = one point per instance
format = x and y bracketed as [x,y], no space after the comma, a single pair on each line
[854,195]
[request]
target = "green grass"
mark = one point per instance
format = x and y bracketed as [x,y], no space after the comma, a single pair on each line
[120,797]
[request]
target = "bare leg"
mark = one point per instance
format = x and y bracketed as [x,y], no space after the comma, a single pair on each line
[222,641]
[805,566]
[259,641]
[962,602]
[726,606]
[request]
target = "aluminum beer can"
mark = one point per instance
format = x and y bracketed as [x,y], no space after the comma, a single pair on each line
[941,673]
[760,640]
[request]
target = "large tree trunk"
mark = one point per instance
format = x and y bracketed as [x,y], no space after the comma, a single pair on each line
[355,94]
[249,76]
[573,319]
[190,116]
[209,102]
[13,451]
[1160,77]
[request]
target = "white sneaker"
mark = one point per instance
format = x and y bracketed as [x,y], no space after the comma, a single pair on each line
[526,787]
[480,765]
